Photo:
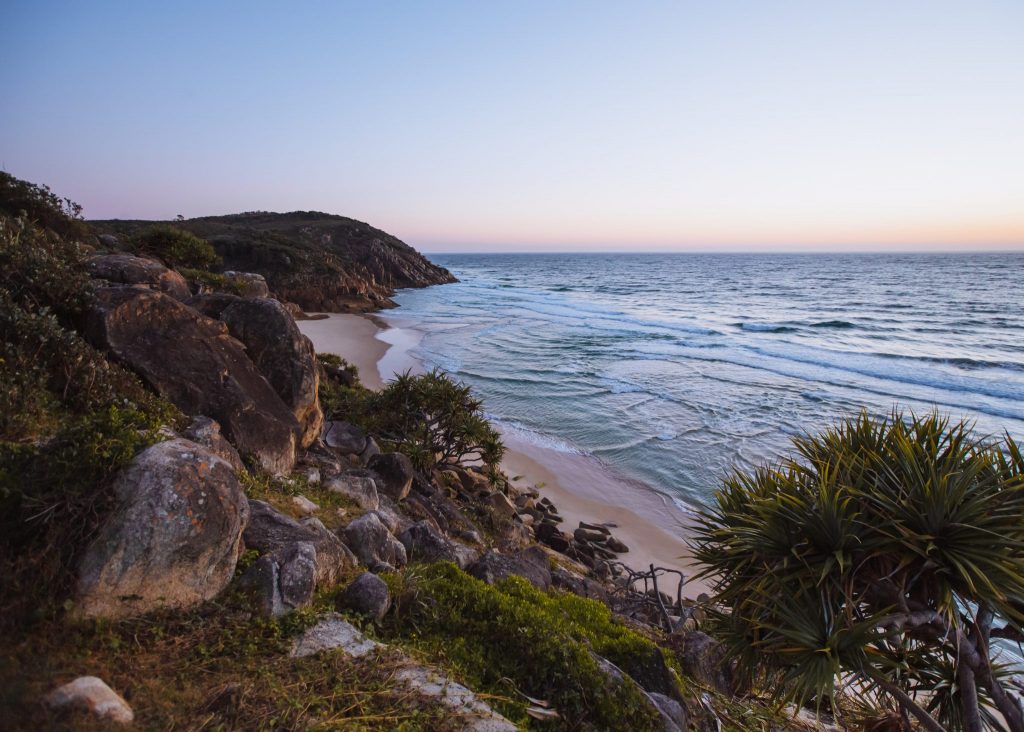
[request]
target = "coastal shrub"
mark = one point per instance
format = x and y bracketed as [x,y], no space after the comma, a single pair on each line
[434,420]
[512,639]
[69,418]
[176,247]
[890,552]
[213,280]
[42,207]
[42,270]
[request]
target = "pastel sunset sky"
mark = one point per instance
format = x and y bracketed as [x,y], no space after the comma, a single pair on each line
[526,125]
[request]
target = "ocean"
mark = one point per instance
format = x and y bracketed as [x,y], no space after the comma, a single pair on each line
[675,369]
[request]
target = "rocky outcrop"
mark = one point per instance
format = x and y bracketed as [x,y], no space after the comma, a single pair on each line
[357,485]
[424,543]
[173,539]
[283,355]
[319,261]
[298,557]
[372,541]
[193,362]
[127,269]
[531,564]
[91,695]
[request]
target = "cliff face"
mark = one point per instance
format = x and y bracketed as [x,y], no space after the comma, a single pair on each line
[320,261]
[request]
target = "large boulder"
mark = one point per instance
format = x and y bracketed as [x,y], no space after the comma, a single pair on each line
[373,543]
[193,361]
[283,355]
[174,537]
[395,474]
[127,269]
[530,564]
[297,558]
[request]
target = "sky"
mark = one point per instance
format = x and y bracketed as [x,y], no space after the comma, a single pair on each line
[523,125]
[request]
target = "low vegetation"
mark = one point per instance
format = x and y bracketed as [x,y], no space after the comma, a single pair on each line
[176,247]
[69,418]
[517,642]
[888,554]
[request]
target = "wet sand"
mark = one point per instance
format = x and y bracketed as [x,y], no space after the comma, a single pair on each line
[581,487]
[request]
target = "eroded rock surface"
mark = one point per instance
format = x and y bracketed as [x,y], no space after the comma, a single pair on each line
[127,269]
[282,354]
[193,362]
[173,539]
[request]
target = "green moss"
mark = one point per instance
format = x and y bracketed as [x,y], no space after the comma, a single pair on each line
[512,639]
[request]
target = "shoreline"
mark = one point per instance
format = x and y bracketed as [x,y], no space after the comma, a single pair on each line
[582,488]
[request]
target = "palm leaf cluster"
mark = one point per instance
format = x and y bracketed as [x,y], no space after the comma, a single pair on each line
[889,553]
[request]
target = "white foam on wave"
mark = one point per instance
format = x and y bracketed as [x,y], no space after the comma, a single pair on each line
[520,431]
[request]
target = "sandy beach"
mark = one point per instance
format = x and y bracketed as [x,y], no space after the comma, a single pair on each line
[582,488]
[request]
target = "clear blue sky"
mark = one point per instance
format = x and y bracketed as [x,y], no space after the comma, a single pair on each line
[503,125]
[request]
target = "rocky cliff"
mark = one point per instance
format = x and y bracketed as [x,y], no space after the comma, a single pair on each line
[320,261]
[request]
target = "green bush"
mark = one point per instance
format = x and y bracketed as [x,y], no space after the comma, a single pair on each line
[42,207]
[888,551]
[214,280]
[513,638]
[432,418]
[41,270]
[176,247]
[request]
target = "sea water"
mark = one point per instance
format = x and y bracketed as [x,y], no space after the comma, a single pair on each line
[675,369]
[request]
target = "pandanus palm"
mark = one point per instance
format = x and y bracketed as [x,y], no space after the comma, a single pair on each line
[887,553]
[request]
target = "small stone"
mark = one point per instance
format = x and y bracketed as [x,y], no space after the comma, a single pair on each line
[595,527]
[371,451]
[367,595]
[92,695]
[304,505]
[312,476]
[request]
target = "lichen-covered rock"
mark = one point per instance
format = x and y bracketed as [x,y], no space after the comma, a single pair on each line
[357,485]
[283,355]
[367,595]
[206,432]
[127,269]
[90,694]
[173,539]
[703,658]
[193,362]
[371,541]
[531,564]
[395,474]
[331,633]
